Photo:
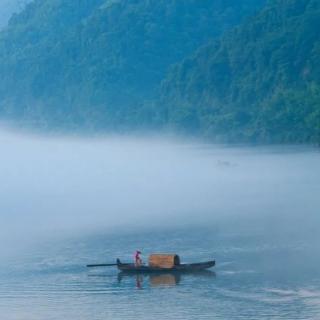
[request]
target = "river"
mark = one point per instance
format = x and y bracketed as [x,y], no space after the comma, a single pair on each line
[69,201]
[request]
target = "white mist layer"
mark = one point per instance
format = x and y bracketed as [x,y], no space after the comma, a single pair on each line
[53,185]
[8,8]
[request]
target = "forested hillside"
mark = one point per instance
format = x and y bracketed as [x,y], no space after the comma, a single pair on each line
[95,62]
[260,82]
[9,7]
[230,70]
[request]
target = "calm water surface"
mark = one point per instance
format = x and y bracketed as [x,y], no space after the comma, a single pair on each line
[256,277]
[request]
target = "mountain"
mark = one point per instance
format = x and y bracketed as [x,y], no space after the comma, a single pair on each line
[8,8]
[93,63]
[259,82]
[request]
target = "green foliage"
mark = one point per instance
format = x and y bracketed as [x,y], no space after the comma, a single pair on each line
[99,64]
[260,82]
[94,62]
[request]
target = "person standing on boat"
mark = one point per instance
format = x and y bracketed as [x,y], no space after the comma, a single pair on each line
[137,259]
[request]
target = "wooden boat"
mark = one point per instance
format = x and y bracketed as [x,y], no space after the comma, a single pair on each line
[182,267]
[159,263]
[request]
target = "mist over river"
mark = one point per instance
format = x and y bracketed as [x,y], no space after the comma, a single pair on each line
[66,201]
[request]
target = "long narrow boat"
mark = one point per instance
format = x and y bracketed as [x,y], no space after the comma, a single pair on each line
[183,267]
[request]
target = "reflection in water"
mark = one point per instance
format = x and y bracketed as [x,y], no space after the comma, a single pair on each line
[139,281]
[166,279]
[162,279]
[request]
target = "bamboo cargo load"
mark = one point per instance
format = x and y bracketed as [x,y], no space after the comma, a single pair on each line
[165,261]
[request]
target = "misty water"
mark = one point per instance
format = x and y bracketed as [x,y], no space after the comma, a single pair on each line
[69,201]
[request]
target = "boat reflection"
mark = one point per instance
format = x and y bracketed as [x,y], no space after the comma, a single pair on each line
[161,279]
[164,280]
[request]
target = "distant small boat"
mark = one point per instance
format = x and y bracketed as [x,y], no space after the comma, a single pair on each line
[159,263]
[183,267]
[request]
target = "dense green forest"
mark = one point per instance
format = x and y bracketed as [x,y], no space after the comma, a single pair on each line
[259,82]
[237,70]
[93,63]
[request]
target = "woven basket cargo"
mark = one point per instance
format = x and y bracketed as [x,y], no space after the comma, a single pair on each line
[164,260]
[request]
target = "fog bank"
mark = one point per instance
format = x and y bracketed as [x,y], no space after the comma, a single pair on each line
[65,185]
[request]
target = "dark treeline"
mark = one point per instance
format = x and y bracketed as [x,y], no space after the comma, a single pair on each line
[93,63]
[260,82]
[235,70]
